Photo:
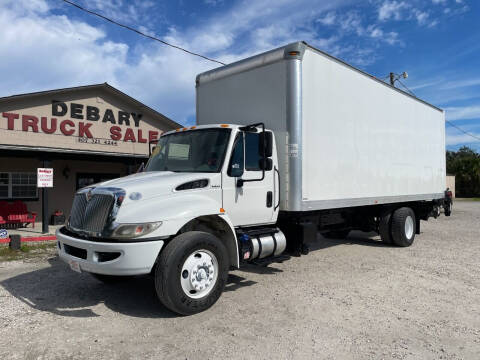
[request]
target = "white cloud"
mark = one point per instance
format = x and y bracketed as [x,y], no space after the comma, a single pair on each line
[47,51]
[453,139]
[56,51]
[352,21]
[460,83]
[421,16]
[463,112]
[328,19]
[376,32]
[439,1]
[392,10]
[213,2]
[129,11]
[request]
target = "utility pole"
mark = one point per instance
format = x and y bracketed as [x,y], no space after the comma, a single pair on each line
[392,79]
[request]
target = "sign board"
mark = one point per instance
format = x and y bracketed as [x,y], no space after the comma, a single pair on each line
[44,177]
[89,124]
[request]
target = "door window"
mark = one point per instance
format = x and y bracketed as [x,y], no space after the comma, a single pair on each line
[252,158]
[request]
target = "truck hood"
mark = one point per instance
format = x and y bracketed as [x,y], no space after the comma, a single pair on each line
[157,183]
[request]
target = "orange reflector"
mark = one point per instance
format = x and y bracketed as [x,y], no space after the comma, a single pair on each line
[224,125]
[294,53]
[177,129]
[193,127]
[184,129]
[222,210]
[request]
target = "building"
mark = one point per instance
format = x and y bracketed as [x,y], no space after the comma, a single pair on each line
[87,134]
[451,184]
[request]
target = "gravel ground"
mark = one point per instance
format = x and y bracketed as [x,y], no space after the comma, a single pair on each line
[348,299]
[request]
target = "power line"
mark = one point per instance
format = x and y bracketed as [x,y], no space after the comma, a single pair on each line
[139,32]
[463,131]
[405,86]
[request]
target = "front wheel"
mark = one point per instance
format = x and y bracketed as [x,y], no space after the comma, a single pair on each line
[192,272]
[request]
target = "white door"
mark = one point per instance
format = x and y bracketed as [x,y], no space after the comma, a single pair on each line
[254,202]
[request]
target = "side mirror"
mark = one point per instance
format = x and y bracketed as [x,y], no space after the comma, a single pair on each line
[265,164]
[265,143]
[235,170]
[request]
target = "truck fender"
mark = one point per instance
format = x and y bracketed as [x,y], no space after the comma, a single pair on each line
[220,226]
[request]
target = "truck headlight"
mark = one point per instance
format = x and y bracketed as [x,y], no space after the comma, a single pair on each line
[135,230]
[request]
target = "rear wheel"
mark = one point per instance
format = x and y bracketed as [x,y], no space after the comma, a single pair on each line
[192,272]
[384,228]
[448,208]
[403,227]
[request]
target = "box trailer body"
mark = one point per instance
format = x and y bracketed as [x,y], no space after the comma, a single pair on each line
[288,144]
[344,138]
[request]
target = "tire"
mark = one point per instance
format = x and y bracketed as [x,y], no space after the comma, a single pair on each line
[403,227]
[448,209]
[108,279]
[337,234]
[191,253]
[385,228]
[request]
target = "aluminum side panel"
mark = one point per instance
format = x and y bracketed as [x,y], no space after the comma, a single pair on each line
[364,141]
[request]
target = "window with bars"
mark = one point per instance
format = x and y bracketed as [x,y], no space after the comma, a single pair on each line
[18,185]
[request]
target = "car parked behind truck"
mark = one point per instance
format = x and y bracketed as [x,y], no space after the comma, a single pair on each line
[287,144]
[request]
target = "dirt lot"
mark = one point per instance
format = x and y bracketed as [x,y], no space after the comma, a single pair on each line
[350,299]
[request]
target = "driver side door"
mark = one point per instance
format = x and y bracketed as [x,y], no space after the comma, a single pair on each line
[252,203]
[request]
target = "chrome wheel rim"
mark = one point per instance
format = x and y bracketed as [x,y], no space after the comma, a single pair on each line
[199,274]
[409,227]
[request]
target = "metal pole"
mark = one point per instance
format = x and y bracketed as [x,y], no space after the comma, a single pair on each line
[392,79]
[46,164]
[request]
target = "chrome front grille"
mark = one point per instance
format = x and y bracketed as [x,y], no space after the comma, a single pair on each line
[77,213]
[90,215]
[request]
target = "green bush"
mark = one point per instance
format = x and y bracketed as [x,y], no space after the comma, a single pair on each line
[465,165]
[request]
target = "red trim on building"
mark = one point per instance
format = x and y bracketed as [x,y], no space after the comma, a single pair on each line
[31,239]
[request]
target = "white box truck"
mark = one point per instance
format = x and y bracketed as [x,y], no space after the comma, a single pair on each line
[288,143]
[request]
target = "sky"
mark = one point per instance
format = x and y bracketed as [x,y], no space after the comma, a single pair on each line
[47,44]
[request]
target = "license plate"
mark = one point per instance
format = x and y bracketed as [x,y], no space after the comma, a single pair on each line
[75,266]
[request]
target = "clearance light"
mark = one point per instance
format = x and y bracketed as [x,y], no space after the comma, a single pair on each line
[294,53]
[193,127]
[224,125]
[222,210]
[177,129]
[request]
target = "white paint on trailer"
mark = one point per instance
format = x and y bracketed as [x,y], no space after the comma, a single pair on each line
[365,140]
[361,141]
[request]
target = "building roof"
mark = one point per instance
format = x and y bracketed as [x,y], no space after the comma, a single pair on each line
[104,86]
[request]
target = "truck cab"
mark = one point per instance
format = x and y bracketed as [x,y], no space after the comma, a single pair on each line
[201,184]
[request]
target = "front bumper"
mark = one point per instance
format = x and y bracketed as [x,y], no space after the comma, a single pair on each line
[134,258]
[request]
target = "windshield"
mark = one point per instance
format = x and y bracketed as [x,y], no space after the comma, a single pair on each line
[200,150]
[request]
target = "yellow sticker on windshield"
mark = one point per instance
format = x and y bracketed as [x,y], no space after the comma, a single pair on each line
[156,150]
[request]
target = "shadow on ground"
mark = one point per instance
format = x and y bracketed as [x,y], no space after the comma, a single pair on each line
[59,290]
[354,238]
